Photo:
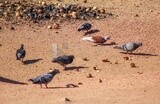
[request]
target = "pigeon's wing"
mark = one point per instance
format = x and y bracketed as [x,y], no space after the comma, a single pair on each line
[45,78]
[65,59]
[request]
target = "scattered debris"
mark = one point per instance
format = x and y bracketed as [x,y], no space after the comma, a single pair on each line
[12,28]
[100,81]
[71,85]
[89,76]
[67,99]
[126,58]
[56,26]
[105,60]
[49,26]
[133,65]
[80,83]
[113,43]
[84,1]
[116,62]
[85,59]
[140,72]
[136,15]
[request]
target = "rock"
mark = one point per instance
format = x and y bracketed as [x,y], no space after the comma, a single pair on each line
[94,8]
[105,60]
[133,65]
[85,59]
[116,62]
[113,43]
[67,99]
[89,76]
[43,3]
[100,81]
[102,11]
[49,27]
[0,28]
[74,15]
[12,28]
[17,14]
[56,26]
[136,15]
[80,83]
[140,72]
[126,58]
[84,1]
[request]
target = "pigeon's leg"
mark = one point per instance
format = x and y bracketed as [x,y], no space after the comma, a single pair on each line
[41,85]
[46,85]
[64,66]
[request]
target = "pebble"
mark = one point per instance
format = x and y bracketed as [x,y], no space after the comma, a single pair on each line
[85,59]
[56,26]
[49,27]
[133,65]
[126,58]
[105,60]
[89,76]
[100,81]
[12,28]
[67,99]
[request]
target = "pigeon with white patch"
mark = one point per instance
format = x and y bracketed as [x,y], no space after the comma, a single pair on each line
[45,78]
[129,47]
[20,53]
[85,26]
[96,39]
[63,60]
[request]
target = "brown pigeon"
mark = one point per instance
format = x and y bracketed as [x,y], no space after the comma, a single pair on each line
[96,39]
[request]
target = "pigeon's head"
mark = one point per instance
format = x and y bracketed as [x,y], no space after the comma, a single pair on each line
[22,46]
[55,71]
[140,44]
[71,56]
[107,37]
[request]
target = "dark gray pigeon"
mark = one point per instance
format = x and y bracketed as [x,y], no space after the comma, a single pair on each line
[63,60]
[129,47]
[85,26]
[45,78]
[20,53]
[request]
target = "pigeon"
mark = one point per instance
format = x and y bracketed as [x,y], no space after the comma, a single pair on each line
[63,60]
[129,47]
[20,53]
[45,78]
[85,26]
[96,39]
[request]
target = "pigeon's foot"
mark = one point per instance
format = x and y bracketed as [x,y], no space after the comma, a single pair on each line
[46,85]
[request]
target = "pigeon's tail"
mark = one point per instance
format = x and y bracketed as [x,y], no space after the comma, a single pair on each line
[79,29]
[88,39]
[54,60]
[117,47]
[30,80]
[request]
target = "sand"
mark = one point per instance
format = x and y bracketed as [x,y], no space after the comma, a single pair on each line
[121,84]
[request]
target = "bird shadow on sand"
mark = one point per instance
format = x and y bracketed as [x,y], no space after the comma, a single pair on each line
[107,44]
[26,62]
[91,32]
[75,67]
[6,80]
[61,87]
[140,54]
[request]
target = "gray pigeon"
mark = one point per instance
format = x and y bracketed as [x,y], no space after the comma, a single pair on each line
[20,53]
[63,60]
[85,26]
[45,78]
[129,47]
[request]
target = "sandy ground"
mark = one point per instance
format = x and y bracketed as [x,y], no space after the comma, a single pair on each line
[121,84]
